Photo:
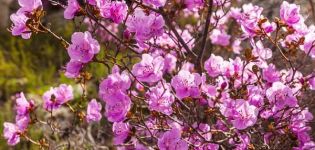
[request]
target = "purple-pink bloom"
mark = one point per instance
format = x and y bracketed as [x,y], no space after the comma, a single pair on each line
[290,13]
[145,26]
[214,65]
[271,74]
[83,47]
[72,8]
[186,84]
[117,107]
[149,69]
[220,37]
[171,140]
[57,96]
[11,133]
[193,4]
[245,114]
[28,6]
[115,83]
[121,132]
[161,99]
[19,27]
[23,107]
[116,10]
[260,51]
[156,3]
[73,69]
[281,96]
[169,62]
[93,112]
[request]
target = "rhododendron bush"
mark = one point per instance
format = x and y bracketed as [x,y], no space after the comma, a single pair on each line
[171,83]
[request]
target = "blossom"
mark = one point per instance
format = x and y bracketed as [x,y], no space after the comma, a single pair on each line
[156,3]
[116,10]
[245,115]
[169,62]
[214,65]
[121,132]
[28,6]
[186,84]
[117,107]
[57,96]
[171,140]
[83,47]
[312,83]
[23,107]
[114,83]
[71,10]
[161,99]
[73,69]
[280,95]
[93,111]
[260,51]
[11,133]
[271,74]
[193,4]
[19,27]
[290,13]
[149,69]
[145,26]
[219,37]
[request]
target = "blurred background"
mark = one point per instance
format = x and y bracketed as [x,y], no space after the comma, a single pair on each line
[34,65]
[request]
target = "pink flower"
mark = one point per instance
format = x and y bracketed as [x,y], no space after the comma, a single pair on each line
[114,83]
[186,84]
[11,133]
[23,107]
[71,10]
[312,83]
[193,4]
[121,132]
[281,96]
[309,43]
[219,37]
[57,96]
[145,26]
[93,111]
[73,69]
[116,11]
[156,3]
[92,2]
[28,6]
[83,47]
[214,65]
[169,62]
[117,107]
[149,69]
[19,27]
[171,140]
[260,51]
[245,115]
[271,74]
[161,99]
[290,13]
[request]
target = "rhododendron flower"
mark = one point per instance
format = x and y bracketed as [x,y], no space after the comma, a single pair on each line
[214,65]
[72,8]
[219,37]
[161,99]
[186,84]
[28,6]
[93,112]
[11,133]
[116,10]
[117,107]
[73,69]
[245,115]
[260,51]
[23,107]
[193,5]
[121,132]
[145,26]
[156,3]
[149,69]
[171,140]
[169,62]
[312,83]
[309,43]
[19,27]
[280,95]
[114,83]
[290,13]
[57,96]
[270,74]
[83,47]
